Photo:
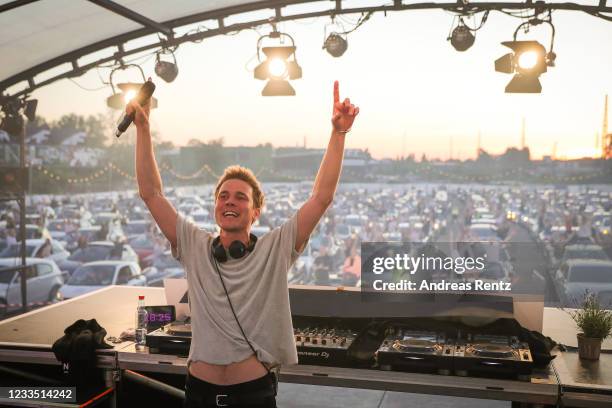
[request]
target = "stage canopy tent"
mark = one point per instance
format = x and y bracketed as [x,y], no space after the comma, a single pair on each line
[42,41]
[35,32]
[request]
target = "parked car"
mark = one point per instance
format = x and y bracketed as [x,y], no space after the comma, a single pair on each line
[142,245]
[96,275]
[484,232]
[44,279]
[163,267]
[582,275]
[98,251]
[32,231]
[136,227]
[57,228]
[37,248]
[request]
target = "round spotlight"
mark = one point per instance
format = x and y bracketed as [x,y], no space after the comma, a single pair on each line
[528,60]
[129,95]
[166,70]
[335,45]
[277,67]
[462,38]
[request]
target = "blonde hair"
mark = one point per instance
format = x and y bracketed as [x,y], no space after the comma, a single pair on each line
[246,175]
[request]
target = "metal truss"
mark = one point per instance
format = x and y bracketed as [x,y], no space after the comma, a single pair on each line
[170,40]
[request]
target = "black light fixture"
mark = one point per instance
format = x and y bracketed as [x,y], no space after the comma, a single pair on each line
[527,61]
[461,38]
[335,44]
[166,70]
[278,68]
[29,109]
[12,120]
[118,100]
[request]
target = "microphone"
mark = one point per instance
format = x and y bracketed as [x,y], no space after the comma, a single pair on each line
[143,96]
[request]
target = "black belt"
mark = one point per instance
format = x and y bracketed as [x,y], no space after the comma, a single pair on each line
[241,400]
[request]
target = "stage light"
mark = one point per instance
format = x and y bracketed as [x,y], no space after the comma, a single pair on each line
[12,120]
[528,61]
[278,68]
[462,38]
[29,109]
[336,45]
[166,70]
[118,100]
[12,125]
[129,95]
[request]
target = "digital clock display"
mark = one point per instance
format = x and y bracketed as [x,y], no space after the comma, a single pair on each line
[158,316]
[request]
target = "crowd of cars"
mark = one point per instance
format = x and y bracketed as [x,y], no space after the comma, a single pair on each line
[76,244]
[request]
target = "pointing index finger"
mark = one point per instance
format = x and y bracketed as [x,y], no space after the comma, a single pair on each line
[336,92]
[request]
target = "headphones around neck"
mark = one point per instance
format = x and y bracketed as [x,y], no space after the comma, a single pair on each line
[237,249]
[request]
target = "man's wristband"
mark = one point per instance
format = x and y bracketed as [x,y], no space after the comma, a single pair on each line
[342,131]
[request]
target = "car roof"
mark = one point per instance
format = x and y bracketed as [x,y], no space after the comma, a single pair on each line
[110,262]
[29,261]
[589,262]
[482,225]
[32,241]
[102,243]
[584,246]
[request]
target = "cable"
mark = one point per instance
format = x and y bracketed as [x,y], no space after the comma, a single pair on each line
[482,21]
[362,20]
[86,89]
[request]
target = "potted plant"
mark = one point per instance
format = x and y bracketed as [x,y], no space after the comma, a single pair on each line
[595,324]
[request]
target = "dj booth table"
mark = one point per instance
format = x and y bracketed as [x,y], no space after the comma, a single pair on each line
[27,339]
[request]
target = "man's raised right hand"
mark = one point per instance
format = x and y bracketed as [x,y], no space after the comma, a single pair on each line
[141,118]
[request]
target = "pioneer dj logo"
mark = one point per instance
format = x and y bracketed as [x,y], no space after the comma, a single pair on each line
[323,354]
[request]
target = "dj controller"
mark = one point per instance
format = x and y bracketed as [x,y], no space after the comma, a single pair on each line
[406,350]
[387,346]
[323,346]
[481,355]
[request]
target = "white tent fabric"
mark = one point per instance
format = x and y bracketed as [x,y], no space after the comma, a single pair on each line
[42,30]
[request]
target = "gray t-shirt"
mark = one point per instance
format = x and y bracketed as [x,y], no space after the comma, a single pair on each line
[257,286]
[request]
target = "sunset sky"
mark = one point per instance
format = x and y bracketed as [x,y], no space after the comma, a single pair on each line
[415,92]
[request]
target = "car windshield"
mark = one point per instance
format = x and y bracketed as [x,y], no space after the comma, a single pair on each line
[164,262]
[141,241]
[353,221]
[585,254]
[484,232]
[89,234]
[342,229]
[591,273]
[134,229]
[14,251]
[96,275]
[91,253]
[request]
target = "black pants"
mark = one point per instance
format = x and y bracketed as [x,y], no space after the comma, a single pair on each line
[259,393]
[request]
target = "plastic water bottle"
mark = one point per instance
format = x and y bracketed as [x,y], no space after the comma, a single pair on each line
[142,319]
